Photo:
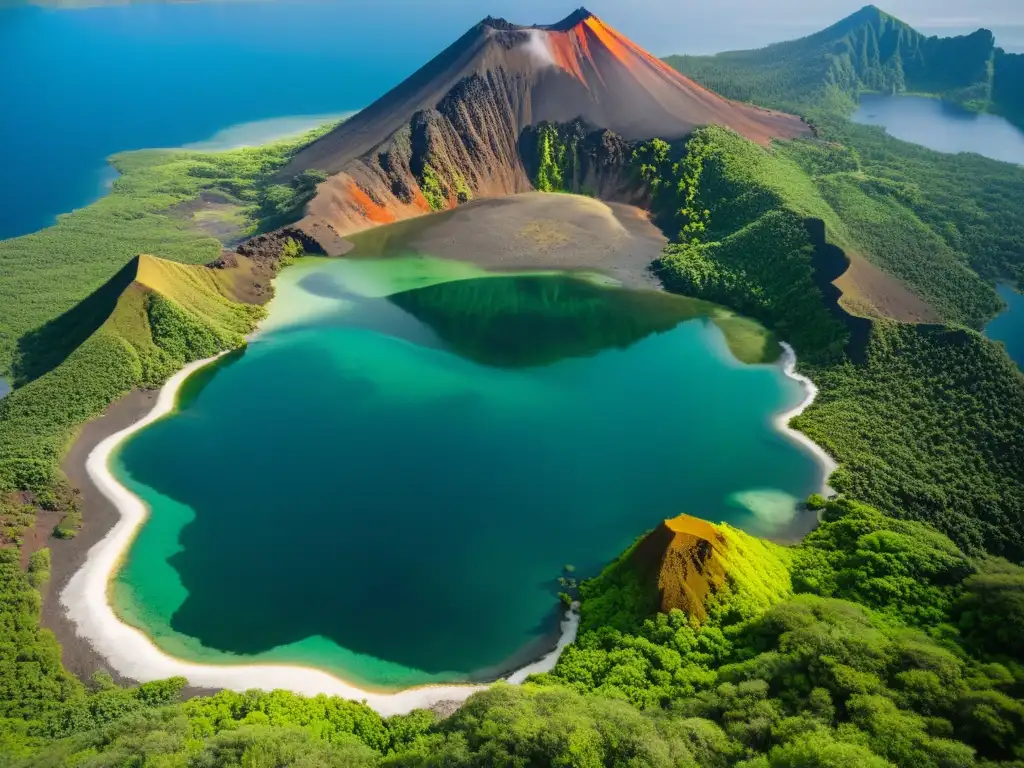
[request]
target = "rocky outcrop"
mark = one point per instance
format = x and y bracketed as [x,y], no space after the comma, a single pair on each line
[698,567]
[685,557]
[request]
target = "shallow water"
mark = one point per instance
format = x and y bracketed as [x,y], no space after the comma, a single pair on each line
[5,387]
[388,482]
[942,126]
[1008,327]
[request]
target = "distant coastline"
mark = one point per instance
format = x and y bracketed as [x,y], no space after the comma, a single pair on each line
[259,132]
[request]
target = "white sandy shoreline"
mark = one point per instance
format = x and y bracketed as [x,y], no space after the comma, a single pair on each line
[827,463]
[133,654]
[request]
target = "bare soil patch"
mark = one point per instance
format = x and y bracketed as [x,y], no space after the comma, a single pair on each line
[535,230]
[215,215]
[870,292]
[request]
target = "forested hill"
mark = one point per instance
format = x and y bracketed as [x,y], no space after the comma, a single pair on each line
[868,51]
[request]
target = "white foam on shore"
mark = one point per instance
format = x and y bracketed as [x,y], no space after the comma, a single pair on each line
[827,463]
[132,654]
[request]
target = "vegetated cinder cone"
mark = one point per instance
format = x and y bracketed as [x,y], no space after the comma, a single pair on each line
[451,131]
[698,567]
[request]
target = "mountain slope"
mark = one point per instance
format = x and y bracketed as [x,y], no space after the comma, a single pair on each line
[869,50]
[453,129]
[149,320]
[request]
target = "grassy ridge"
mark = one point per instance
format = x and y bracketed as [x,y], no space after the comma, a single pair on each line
[164,317]
[960,208]
[741,239]
[84,318]
[867,51]
[49,272]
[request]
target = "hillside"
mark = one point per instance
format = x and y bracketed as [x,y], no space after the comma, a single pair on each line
[874,644]
[149,320]
[452,130]
[690,565]
[181,205]
[867,51]
[85,318]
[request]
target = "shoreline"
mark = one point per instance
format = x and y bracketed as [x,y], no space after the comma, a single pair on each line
[133,655]
[85,619]
[827,464]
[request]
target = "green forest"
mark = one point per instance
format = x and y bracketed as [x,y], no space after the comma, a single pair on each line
[889,636]
[874,642]
[867,51]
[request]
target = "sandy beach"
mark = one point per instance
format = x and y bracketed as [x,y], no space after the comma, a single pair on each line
[827,463]
[133,656]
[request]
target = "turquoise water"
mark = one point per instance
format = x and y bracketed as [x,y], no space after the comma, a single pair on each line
[1008,327]
[389,481]
[942,126]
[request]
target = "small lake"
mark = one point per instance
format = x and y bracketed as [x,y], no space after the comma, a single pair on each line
[942,126]
[5,387]
[1008,327]
[390,480]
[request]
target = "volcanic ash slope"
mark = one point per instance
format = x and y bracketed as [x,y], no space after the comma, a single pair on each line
[454,129]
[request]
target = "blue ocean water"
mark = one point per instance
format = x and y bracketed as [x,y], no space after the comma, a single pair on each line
[79,85]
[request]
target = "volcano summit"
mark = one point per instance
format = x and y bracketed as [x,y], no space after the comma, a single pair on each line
[456,128]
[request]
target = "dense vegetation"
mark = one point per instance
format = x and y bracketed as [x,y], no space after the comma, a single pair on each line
[741,240]
[889,636]
[927,421]
[960,207]
[863,646]
[968,201]
[867,51]
[125,320]
[929,426]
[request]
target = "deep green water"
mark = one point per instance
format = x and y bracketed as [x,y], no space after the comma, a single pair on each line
[1008,327]
[388,482]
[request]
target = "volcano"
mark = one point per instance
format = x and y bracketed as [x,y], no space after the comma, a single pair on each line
[455,128]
